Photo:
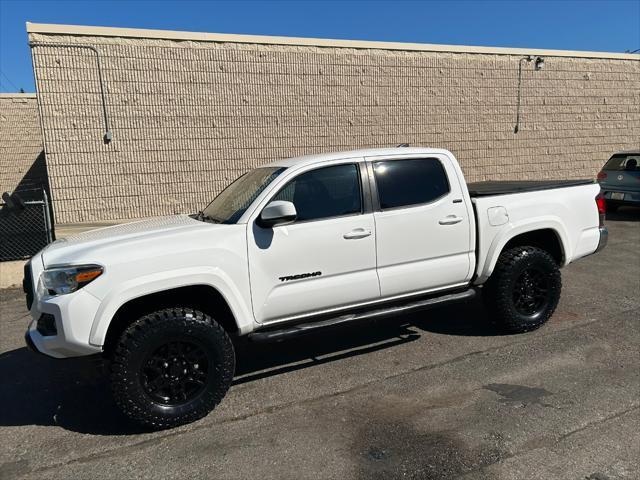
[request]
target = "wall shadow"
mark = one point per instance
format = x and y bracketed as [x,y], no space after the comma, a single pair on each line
[25,228]
[34,181]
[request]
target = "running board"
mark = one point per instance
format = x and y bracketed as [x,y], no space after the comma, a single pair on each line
[275,335]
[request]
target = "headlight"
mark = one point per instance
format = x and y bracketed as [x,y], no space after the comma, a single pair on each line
[63,280]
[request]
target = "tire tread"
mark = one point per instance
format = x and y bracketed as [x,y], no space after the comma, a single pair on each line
[135,335]
[498,294]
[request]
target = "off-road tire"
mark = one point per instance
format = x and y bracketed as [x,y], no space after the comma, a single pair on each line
[151,332]
[501,288]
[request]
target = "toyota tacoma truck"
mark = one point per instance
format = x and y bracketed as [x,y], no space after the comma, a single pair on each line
[293,247]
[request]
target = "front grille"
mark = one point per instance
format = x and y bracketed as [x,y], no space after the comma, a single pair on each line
[27,284]
[47,325]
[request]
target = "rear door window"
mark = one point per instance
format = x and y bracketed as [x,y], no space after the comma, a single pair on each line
[402,183]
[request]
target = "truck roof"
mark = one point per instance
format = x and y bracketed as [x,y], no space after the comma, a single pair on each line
[369,152]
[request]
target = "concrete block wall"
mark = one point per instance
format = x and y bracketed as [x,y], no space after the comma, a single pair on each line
[191,112]
[22,163]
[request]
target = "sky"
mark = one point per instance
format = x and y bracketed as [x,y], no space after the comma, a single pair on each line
[612,26]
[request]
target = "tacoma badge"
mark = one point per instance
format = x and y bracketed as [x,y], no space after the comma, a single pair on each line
[299,276]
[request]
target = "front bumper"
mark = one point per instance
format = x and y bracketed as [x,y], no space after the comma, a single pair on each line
[70,318]
[604,238]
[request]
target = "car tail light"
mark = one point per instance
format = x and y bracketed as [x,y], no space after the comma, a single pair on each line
[602,207]
[602,175]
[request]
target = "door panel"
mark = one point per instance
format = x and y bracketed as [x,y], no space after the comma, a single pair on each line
[327,258]
[425,246]
[346,266]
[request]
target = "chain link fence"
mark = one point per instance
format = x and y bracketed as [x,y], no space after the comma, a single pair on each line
[25,228]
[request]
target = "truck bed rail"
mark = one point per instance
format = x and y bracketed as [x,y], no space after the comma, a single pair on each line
[506,187]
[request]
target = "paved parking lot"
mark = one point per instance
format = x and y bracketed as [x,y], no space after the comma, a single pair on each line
[438,394]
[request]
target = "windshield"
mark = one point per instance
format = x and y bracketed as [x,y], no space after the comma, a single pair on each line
[234,200]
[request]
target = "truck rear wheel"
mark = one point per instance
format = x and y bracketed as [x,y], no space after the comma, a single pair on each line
[524,289]
[171,367]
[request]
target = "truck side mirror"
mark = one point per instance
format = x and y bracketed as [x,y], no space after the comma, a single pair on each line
[278,212]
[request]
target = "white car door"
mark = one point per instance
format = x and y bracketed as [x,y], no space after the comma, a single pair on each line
[423,227]
[326,259]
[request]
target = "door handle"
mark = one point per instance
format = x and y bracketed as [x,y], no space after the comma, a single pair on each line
[450,220]
[357,233]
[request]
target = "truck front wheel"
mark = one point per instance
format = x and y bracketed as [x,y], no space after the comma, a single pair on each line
[524,289]
[171,367]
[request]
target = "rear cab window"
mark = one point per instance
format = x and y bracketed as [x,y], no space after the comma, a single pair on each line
[409,182]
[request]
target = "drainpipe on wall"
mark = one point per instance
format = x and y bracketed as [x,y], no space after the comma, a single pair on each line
[108,135]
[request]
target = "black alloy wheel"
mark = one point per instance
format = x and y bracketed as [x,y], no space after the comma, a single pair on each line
[175,372]
[531,292]
[523,290]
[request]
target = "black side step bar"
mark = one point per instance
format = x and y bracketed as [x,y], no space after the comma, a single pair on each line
[275,335]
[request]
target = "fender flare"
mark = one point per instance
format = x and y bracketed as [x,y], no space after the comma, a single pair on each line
[510,231]
[158,282]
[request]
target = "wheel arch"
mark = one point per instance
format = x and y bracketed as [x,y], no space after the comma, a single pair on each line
[202,297]
[546,239]
[211,281]
[549,236]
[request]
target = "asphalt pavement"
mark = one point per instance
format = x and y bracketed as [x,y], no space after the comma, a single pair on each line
[435,395]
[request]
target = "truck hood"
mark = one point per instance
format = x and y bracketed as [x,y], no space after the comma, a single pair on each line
[75,248]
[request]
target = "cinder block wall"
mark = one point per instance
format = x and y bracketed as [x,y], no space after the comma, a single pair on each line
[22,165]
[188,116]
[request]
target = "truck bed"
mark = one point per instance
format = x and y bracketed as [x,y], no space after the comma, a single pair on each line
[505,187]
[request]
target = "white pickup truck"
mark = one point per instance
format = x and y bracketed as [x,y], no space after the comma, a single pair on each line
[293,247]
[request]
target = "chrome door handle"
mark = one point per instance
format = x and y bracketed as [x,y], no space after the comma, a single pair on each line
[450,220]
[357,233]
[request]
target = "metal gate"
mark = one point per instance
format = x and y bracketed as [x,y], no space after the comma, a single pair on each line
[25,227]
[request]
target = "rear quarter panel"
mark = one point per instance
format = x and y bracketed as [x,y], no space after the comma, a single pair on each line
[570,212]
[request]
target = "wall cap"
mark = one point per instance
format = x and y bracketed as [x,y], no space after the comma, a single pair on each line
[82,30]
[17,95]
